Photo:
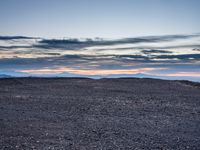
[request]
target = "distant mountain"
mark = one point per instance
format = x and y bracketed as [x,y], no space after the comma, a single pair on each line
[138,75]
[66,74]
[72,75]
[141,75]
[4,76]
[10,74]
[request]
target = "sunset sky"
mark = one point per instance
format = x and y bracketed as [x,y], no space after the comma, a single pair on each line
[100,38]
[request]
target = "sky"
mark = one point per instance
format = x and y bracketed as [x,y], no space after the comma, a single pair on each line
[98,18]
[100,38]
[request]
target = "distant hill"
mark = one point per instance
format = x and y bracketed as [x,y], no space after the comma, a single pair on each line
[72,75]
[4,76]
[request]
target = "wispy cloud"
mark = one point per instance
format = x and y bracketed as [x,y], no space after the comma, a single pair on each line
[52,43]
[16,37]
[183,74]
[86,71]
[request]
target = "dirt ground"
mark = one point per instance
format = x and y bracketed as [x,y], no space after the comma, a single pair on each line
[104,114]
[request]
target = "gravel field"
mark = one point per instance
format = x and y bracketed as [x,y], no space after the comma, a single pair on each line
[104,114]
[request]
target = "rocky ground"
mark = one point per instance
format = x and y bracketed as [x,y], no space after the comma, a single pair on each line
[103,114]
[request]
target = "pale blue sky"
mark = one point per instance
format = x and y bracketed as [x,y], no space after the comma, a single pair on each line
[98,18]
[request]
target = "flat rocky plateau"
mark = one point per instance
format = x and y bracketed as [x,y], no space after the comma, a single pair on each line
[104,114]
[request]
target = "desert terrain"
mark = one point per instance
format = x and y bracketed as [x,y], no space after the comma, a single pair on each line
[103,114]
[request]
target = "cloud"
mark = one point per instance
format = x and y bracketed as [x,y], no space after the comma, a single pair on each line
[183,74]
[15,37]
[100,56]
[155,51]
[59,70]
[196,49]
[15,47]
[79,44]
[180,57]
[100,61]
[62,43]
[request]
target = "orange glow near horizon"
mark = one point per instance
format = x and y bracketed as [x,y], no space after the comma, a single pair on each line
[185,74]
[86,71]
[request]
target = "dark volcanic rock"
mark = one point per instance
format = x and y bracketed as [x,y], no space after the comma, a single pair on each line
[99,114]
